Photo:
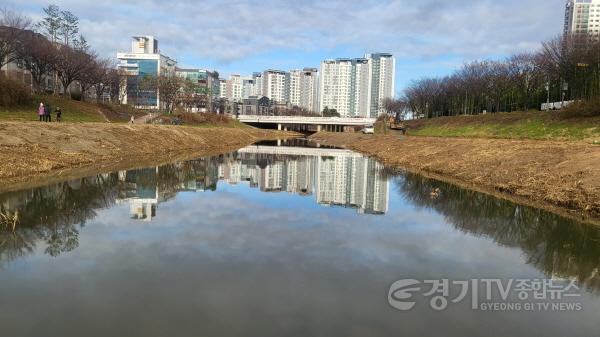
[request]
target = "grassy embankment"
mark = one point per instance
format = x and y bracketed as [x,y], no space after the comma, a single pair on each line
[72,111]
[514,125]
[86,112]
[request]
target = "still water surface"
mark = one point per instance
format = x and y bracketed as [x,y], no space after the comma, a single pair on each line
[279,241]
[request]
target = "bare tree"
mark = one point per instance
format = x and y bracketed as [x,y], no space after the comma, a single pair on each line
[13,26]
[168,86]
[72,65]
[39,57]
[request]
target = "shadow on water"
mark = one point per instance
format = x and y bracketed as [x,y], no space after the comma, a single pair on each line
[53,216]
[556,246]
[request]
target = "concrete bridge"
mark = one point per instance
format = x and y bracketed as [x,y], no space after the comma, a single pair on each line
[300,123]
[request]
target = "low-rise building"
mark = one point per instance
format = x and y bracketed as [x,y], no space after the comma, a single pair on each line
[256,106]
[144,61]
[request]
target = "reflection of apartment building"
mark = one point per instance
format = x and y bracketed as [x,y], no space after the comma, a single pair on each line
[352,181]
[340,178]
[141,192]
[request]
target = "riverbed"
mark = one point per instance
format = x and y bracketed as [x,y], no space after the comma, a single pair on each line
[287,238]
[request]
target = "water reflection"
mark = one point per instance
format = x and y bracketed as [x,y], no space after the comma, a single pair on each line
[52,217]
[559,247]
[54,214]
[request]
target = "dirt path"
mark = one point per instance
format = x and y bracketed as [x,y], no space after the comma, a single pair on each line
[563,177]
[33,154]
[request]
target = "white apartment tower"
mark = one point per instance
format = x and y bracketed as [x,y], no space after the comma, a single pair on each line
[234,88]
[275,87]
[295,90]
[357,87]
[303,88]
[222,88]
[582,17]
[382,76]
[258,87]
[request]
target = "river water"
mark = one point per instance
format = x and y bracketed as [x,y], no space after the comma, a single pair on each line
[289,240]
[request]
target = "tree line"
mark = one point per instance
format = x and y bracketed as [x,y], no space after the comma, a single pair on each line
[563,69]
[54,52]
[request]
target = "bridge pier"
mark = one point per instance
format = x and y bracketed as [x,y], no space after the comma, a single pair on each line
[279,127]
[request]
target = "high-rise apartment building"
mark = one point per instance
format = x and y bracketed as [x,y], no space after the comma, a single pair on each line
[357,87]
[582,18]
[222,88]
[382,77]
[248,87]
[294,82]
[258,87]
[275,85]
[303,88]
[234,88]
[144,60]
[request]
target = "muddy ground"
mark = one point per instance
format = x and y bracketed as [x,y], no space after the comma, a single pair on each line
[33,154]
[563,177]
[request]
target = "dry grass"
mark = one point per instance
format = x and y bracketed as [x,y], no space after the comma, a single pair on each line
[514,125]
[9,220]
[13,93]
[565,175]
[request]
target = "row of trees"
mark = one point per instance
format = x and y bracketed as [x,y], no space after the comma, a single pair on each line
[53,51]
[564,68]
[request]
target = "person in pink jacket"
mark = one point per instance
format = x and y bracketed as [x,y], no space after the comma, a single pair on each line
[41,111]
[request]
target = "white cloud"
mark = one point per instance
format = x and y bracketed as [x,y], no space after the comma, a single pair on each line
[226,31]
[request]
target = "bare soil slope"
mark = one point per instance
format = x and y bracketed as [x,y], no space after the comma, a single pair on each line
[34,153]
[560,176]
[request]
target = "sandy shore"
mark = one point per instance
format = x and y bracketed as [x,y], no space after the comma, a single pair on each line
[563,177]
[33,154]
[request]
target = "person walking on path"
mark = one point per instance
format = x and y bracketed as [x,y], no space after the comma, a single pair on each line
[41,112]
[131,119]
[48,113]
[58,114]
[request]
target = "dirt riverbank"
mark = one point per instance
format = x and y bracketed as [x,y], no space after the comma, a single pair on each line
[32,153]
[563,177]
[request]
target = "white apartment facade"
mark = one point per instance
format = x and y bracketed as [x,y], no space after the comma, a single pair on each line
[294,81]
[275,85]
[382,75]
[234,88]
[582,17]
[258,86]
[222,88]
[357,87]
[303,88]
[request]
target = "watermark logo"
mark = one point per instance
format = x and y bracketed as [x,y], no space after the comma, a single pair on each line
[488,294]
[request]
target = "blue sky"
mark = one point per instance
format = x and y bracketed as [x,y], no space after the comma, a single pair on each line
[428,37]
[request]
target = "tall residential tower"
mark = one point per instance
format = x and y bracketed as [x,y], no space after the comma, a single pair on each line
[582,17]
[357,87]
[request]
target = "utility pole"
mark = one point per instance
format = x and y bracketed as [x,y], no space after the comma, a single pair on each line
[548,99]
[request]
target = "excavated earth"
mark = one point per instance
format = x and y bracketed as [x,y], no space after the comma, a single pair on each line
[563,177]
[33,154]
